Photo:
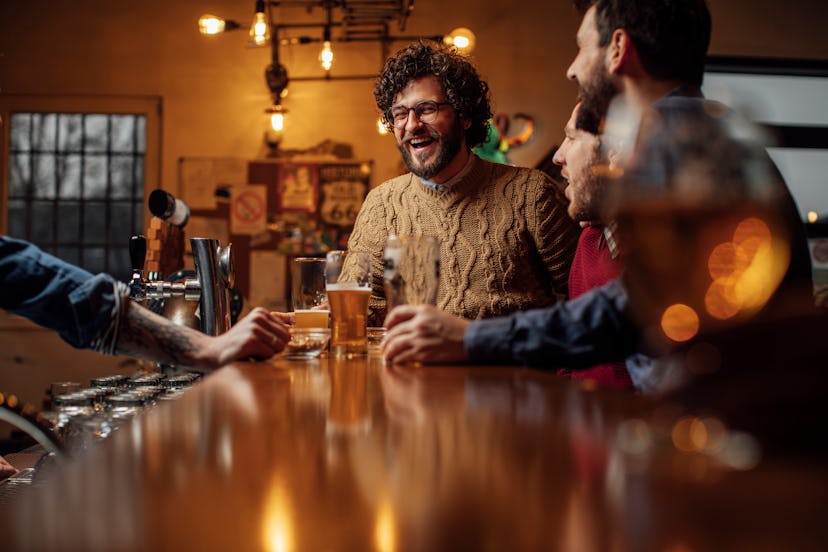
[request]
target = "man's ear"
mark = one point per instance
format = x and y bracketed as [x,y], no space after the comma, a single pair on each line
[619,51]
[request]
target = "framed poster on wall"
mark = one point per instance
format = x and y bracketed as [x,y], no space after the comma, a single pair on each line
[298,187]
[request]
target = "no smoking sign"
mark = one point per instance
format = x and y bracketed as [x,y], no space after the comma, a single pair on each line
[248,210]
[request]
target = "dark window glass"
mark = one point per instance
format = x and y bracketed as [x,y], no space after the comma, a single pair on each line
[76,185]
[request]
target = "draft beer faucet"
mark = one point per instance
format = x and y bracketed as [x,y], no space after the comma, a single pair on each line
[211,287]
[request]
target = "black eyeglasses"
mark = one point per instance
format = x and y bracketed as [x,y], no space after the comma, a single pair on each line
[425,111]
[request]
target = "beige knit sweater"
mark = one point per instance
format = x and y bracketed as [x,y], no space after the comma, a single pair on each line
[506,241]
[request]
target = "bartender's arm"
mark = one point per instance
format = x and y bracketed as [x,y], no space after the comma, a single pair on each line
[95,312]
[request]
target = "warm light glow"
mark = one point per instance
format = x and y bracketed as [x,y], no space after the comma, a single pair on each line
[381,128]
[277,534]
[813,216]
[461,38]
[210,24]
[745,271]
[277,122]
[680,322]
[326,55]
[260,30]
[385,529]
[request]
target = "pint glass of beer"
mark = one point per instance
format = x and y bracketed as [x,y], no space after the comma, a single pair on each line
[348,277]
[310,302]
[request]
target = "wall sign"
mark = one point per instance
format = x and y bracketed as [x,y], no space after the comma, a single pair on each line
[248,209]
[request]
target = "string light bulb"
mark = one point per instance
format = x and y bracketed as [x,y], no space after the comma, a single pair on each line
[275,128]
[461,38]
[326,56]
[260,29]
[382,129]
[209,24]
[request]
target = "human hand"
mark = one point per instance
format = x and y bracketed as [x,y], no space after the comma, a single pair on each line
[424,334]
[6,469]
[288,318]
[260,335]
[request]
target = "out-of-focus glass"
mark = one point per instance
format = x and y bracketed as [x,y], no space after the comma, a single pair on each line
[348,301]
[411,270]
[702,224]
[308,295]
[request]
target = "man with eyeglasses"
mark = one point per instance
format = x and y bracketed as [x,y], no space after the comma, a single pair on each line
[506,241]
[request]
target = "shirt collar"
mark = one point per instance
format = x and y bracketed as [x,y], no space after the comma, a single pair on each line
[451,182]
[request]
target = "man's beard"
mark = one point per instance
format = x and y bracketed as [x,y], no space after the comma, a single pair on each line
[449,146]
[595,96]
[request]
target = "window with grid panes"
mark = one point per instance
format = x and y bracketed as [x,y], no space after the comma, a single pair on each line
[76,185]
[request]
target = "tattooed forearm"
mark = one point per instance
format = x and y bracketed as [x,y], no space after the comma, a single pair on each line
[148,335]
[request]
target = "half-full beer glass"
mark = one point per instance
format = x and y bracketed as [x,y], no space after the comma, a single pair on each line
[310,302]
[348,299]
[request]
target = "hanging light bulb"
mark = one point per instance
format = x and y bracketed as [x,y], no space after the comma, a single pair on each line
[381,128]
[461,38]
[260,29]
[211,25]
[326,55]
[275,127]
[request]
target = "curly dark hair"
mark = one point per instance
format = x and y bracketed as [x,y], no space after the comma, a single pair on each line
[465,91]
[671,36]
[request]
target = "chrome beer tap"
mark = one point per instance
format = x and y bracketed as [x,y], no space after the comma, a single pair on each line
[211,287]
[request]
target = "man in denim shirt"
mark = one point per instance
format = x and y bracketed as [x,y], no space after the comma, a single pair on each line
[95,312]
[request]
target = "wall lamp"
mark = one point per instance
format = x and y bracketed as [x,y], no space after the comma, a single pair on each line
[341,21]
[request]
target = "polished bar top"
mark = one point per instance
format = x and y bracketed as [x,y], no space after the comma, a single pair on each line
[338,454]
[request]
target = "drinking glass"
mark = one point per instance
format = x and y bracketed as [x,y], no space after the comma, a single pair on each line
[348,298]
[412,270]
[308,295]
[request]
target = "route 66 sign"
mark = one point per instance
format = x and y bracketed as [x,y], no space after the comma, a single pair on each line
[341,201]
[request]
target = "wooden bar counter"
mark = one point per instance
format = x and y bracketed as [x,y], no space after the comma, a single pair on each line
[331,454]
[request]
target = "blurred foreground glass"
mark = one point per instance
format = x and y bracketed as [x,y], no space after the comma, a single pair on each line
[702,224]
[348,300]
[411,270]
[308,293]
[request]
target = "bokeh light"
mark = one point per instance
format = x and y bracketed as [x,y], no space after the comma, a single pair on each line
[745,271]
[680,322]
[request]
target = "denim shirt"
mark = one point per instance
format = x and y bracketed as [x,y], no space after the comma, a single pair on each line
[581,332]
[84,309]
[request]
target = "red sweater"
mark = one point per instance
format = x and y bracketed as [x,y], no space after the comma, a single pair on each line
[593,266]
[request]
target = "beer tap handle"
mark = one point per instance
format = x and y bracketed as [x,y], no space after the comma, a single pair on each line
[137,256]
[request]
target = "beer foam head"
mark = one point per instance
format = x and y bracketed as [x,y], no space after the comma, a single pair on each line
[345,286]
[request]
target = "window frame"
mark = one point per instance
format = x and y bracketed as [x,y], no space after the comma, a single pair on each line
[148,106]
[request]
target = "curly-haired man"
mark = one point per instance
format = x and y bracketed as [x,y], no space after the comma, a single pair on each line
[506,240]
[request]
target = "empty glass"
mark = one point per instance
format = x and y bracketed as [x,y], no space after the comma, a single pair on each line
[412,270]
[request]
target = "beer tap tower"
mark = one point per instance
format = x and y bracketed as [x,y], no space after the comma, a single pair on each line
[214,270]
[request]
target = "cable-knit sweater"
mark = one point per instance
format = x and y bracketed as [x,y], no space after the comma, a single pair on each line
[506,241]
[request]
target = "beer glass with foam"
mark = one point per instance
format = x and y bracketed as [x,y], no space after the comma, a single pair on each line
[308,295]
[348,277]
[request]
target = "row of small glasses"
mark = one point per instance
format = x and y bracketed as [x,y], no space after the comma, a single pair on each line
[411,273]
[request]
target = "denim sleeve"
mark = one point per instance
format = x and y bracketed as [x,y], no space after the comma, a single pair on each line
[84,309]
[591,329]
